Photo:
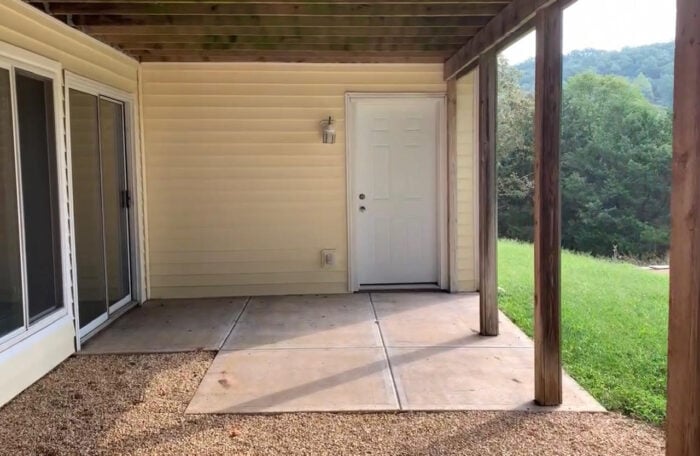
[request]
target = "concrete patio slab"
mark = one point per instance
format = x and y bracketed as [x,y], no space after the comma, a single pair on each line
[458,378]
[336,353]
[296,380]
[439,319]
[332,321]
[162,326]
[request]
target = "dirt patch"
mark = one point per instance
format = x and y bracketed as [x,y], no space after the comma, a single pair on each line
[134,404]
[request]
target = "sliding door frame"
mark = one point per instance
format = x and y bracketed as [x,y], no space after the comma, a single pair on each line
[128,100]
[14,58]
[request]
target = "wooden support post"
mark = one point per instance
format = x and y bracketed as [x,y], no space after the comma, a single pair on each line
[488,201]
[548,88]
[683,412]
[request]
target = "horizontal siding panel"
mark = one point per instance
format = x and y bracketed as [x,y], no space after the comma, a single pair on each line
[233,113]
[263,148]
[242,194]
[242,185]
[278,89]
[241,267]
[248,290]
[336,77]
[282,69]
[236,199]
[196,137]
[192,219]
[261,125]
[217,280]
[247,239]
[272,160]
[297,172]
[213,257]
[245,101]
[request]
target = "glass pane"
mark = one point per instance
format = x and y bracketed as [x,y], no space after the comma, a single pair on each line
[87,200]
[11,314]
[116,220]
[37,143]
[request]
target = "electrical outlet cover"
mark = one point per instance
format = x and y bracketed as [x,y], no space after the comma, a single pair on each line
[328,258]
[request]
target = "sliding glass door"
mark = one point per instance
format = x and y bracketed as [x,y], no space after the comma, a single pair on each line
[87,198]
[40,196]
[116,203]
[31,256]
[101,198]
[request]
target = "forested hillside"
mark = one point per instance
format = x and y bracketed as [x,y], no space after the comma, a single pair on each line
[650,68]
[615,171]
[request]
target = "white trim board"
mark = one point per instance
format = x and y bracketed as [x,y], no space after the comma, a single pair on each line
[443,248]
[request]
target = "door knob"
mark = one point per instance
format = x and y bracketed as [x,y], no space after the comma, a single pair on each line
[362,208]
[362,196]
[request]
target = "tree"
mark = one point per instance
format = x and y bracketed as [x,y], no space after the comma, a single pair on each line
[654,61]
[514,155]
[615,174]
[616,160]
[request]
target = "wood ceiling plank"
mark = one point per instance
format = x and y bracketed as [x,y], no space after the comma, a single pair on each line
[276,9]
[280,21]
[233,31]
[281,40]
[322,48]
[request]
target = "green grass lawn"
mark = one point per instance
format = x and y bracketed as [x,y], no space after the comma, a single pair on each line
[614,325]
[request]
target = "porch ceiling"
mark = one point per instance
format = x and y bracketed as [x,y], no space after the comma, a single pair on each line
[279,30]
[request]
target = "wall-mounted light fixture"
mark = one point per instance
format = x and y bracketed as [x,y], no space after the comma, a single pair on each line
[328,131]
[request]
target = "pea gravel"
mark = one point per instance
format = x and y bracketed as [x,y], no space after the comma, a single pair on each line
[134,404]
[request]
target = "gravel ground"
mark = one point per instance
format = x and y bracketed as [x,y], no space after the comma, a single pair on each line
[134,405]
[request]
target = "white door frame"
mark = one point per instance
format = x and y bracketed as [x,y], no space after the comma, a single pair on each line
[89,86]
[443,261]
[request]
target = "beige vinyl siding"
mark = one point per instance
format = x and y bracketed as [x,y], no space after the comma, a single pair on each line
[242,195]
[24,26]
[467,274]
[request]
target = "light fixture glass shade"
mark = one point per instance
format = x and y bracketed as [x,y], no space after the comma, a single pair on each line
[328,131]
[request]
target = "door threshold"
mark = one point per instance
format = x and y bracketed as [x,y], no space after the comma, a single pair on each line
[111,319]
[401,287]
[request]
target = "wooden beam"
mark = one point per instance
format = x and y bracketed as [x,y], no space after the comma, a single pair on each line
[513,19]
[279,21]
[275,9]
[683,407]
[548,89]
[488,197]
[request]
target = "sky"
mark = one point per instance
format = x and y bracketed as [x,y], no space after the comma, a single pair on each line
[609,25]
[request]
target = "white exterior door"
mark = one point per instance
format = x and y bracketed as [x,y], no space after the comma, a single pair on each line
[395,143]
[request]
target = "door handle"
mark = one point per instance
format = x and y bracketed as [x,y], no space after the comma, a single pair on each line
[362,208]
